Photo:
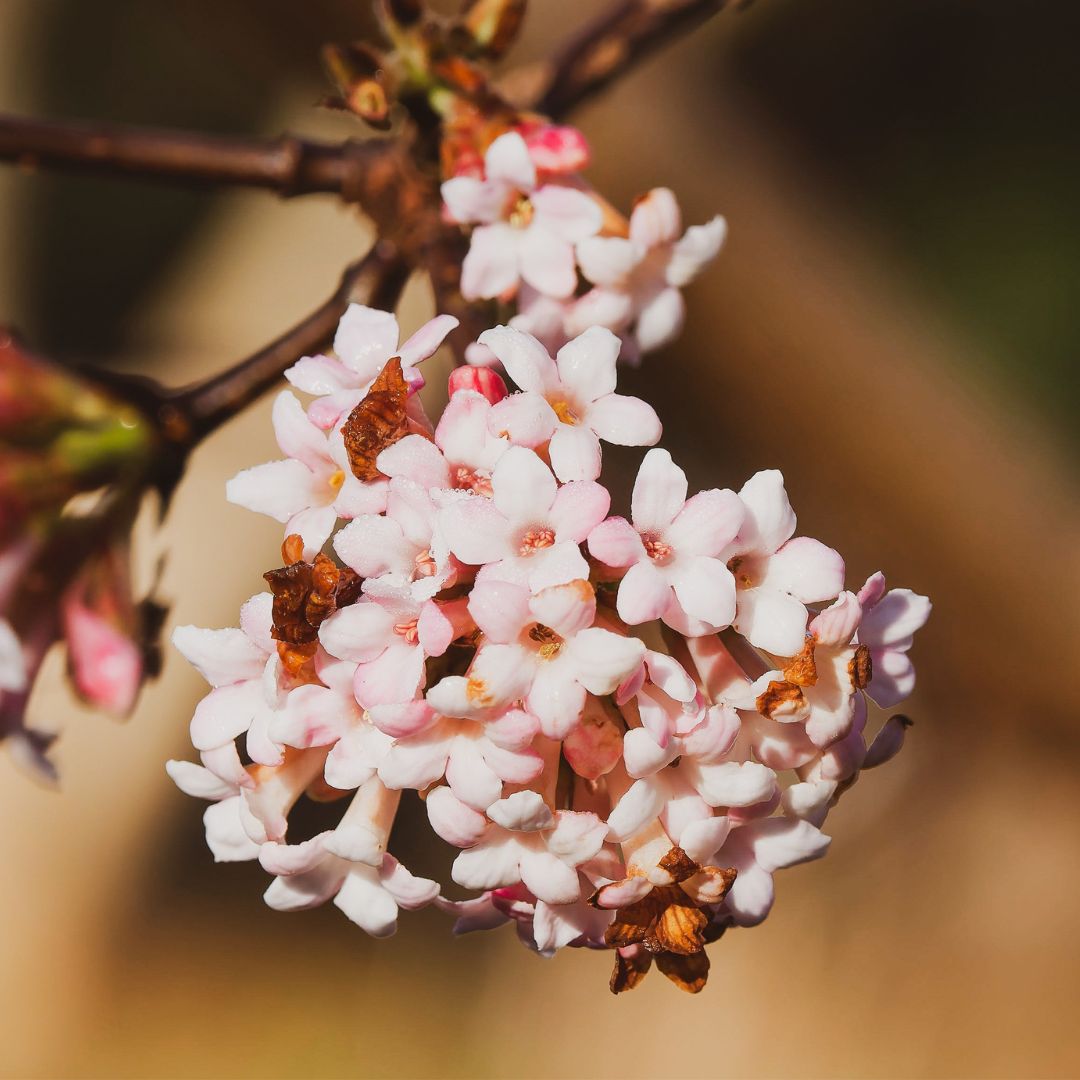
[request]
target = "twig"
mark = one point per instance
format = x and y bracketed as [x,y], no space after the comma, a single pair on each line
[611,44]
[288,165]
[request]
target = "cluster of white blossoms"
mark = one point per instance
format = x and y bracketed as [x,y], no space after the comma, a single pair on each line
[626,724]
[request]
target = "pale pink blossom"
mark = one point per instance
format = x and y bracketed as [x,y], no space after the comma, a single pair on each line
[366,339]
[672,550]
[776,575]
[889,622]
[638,278]
[531,528]
[665,697]
[556,148]
[568,403]
[523,231]
[106,664]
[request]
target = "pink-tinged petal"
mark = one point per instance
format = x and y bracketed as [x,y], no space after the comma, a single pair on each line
[525,419]
[557,148]
[615,542]
[491,266]
[410,892]
[624,893]
[733,783]
[468,199]
[470,777]
[659,492]
[367,904]
[475,531]
[779,842]
[549,879]
[894,618]
[698,247]
[491,864]
[221,657]
[566,609]
[603,659]
[507,161]
[807,569]
[558,925]
[357,498]
[670,676]
[644,594]
[479,380]
[513,731]
[773,621]
[684,806]
[703,838]
[660,320]
[751,896]
[577,837]
[392,678]
[556,699]
[426,340]
[587,364]
[608,260]
[359,632]
[224,762]
[223,714]
[713,737]
[575,453]
[658,714]
[523,487]
[523,811]
[257,620]
[893,678]
[319,375]
[366,339]
[577,509]
[513,766]
[886,745]
[601,307]
[547,261]
[656,218]
[299,892]
[197,781]
[417,459]
[403,718]
[499,676]
[770,521]
[355,757]
[642,755]
[289,859]
[554,566]
[526,360]
[705,589]
[624,421]
[836,625]
[278,489]
[416,762]
[809,801]
[314,527]
[639,806]
[312,716]
[435,629]
[873,590]
[452,820]
[500,608]
[707,523]
[570,214]
[225,835]
[297,436]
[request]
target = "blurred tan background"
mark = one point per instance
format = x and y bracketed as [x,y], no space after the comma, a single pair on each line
[894,323]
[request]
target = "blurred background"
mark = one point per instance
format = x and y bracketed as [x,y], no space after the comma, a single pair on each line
[894,323]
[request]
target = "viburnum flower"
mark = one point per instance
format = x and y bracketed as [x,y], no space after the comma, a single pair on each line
[637,278]
[671,551]
[568,403]
[887,628]
[524,230]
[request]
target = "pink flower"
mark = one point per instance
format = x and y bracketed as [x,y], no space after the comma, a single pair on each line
[638,278]
[556,148]
[777,576]
[312,487]
[570,402]
[530,529]
[366,339]
[888,625]
[524,231]
[672,551]
[542,649]
[526,842]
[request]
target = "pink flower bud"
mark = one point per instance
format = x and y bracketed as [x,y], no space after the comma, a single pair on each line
[484,381]
[106,666]
[557,149]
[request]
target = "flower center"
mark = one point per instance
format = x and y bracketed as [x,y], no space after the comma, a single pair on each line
[337,478]
[408,631]
[521,214]
[550,643]
[538,537]
[741,575]
[564,412]
[466,479]
[424,565]
[656,549]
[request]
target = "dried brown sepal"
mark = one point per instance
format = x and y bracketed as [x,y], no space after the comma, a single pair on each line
[292,549]
[297,660]
[678,864]
[802,669]
[779,697]
[629,970]
[861,668]
[305,594]
[689,973]
[378,421]
[665,920]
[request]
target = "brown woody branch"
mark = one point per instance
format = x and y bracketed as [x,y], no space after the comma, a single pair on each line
[611,44]
[288,165]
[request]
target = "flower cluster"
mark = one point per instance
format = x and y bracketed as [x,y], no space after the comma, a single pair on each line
[569,261]
[626,725]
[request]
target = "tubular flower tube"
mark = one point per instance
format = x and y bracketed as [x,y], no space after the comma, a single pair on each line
[487,634]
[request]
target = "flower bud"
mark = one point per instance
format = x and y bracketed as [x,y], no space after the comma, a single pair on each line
[484,381]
